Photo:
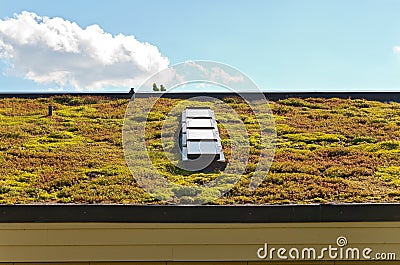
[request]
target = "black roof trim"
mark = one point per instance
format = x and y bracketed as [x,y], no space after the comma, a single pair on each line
[378,96]
[199,214]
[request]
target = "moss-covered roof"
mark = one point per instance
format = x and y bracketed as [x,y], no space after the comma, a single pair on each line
[328,150]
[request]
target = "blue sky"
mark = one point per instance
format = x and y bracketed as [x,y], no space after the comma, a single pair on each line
[295,45]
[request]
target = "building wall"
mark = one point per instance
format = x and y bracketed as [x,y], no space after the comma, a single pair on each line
[112,242]
[212,263]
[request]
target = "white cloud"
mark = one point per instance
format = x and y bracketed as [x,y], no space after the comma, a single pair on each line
[218,74]
[396,49]
[57,51]
[210,72]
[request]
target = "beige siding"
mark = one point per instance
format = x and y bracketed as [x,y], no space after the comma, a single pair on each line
[214,263]
[237,243]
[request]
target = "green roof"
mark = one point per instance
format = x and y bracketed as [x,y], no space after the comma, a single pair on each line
[328,151]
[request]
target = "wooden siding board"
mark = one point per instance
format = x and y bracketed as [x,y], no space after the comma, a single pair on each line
[207,263]
[180,242]
[197,236]
[126,263]
[85,254]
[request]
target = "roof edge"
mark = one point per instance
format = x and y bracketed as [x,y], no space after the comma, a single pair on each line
[382,212]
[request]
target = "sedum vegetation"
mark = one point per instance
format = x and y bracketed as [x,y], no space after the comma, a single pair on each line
[328,151]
